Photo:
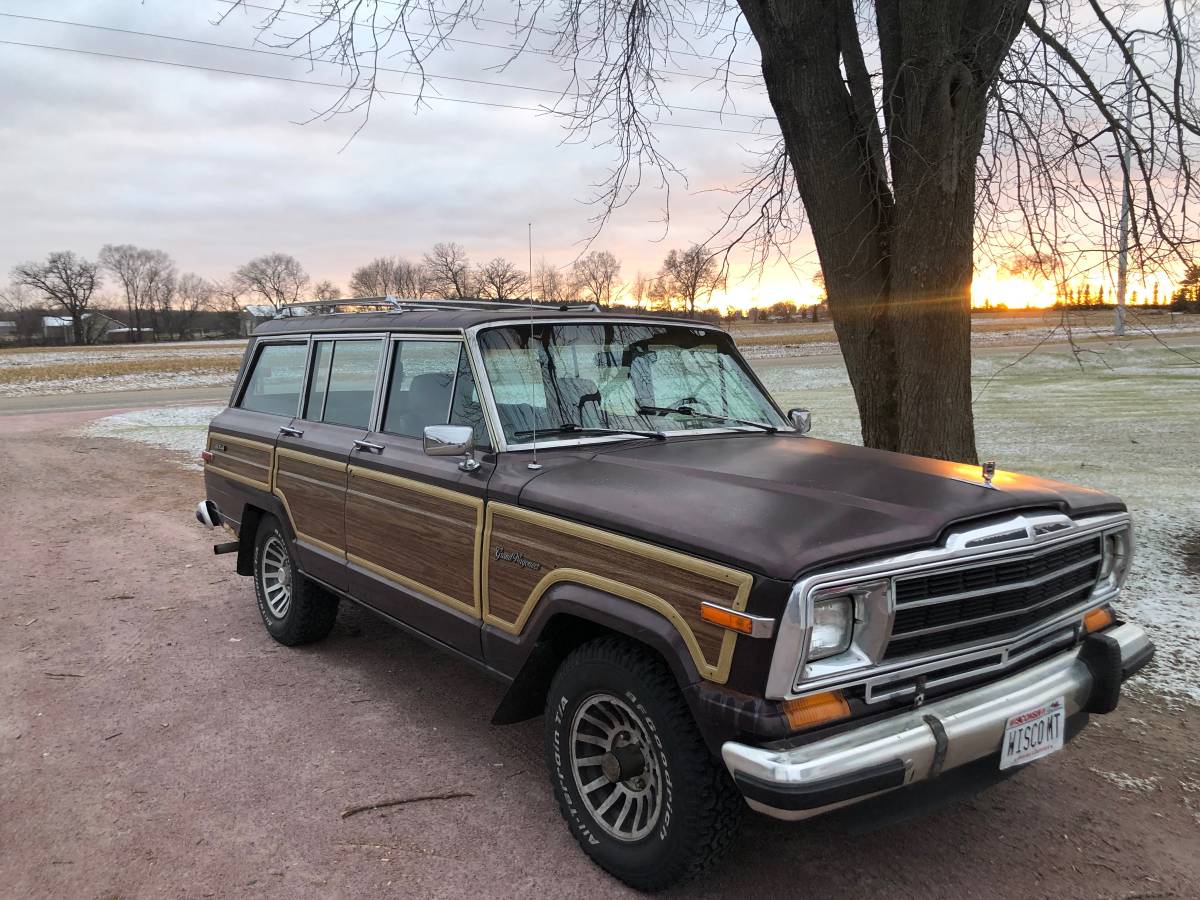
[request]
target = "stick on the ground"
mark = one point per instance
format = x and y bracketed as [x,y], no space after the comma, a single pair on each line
[355,810]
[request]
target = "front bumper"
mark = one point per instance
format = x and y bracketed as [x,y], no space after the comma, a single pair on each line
[921,744]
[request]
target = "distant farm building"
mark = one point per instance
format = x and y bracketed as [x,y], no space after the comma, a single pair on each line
[100,329]
[253,316]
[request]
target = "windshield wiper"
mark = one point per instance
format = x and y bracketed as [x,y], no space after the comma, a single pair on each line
[689,411]
[572,428]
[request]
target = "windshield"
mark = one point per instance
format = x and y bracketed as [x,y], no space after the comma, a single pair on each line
[613,376]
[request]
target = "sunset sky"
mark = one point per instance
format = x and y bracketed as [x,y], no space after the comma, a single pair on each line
[215,168]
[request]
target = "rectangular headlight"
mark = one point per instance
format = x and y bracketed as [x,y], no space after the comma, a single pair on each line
[832,627]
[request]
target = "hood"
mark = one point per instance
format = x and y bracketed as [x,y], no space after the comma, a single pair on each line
[779,505]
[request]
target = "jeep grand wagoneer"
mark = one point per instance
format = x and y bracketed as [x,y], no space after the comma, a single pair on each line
[709,607]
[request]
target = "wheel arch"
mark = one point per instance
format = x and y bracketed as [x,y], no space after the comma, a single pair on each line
[252,515]
[567,616]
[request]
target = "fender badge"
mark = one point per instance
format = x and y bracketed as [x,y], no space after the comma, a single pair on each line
[513,556]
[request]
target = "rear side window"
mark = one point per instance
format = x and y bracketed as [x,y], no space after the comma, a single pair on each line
[431,384]
[274,383]
[342,388]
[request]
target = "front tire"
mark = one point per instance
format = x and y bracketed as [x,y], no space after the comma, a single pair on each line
[294,610]
[634,779]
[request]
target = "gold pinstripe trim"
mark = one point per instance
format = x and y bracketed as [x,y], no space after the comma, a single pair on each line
[469,500]
[245,442]
[221,436]
[718,672]
[417,586]
[312,458]
[235,476]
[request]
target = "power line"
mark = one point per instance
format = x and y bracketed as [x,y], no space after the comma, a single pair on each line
[739,78]
[517,27]
[341,87]
[293,57]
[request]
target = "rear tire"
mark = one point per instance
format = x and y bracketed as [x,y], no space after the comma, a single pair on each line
[294,609]
[640,791]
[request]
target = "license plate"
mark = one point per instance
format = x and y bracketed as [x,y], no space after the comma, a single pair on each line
[1033,734]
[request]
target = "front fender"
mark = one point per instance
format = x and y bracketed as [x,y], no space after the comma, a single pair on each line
[566,616]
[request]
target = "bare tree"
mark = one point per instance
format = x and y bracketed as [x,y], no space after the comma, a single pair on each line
[911,136]
[388,275]
[639,289]
[500,280]
[145,275]
[449,272]
[326,290]
[68,281]
[192,295]
[19,303]
[550,283]
[597,274]
[690,275]
[227,295]
[277,279]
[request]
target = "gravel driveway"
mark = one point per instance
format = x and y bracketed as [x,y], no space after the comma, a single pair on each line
[154,742]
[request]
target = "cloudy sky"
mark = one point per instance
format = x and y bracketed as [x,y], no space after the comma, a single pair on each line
[215,168]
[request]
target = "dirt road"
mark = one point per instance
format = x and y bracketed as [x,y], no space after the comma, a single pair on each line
[154,742]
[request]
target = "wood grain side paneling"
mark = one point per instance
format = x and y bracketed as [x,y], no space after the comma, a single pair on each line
[672,583]
[423,537]
[246,461]
[313,491]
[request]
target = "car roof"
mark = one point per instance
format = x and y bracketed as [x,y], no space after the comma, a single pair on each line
[438,315]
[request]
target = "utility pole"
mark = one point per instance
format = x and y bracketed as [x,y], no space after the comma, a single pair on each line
[1127,157]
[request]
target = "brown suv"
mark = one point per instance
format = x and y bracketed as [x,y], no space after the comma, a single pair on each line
[611,514]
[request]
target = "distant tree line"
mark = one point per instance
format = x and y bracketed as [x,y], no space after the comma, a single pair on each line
[142,289]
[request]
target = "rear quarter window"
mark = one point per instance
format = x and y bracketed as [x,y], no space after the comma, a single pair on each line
[275,380]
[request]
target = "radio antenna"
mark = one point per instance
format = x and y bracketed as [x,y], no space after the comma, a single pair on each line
[535,465]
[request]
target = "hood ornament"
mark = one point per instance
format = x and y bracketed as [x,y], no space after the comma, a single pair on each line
[988,470]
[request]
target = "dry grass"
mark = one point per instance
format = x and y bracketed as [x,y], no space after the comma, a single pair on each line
[162,348]
[107,368]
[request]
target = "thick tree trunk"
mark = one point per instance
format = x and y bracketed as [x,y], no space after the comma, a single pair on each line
[897,254]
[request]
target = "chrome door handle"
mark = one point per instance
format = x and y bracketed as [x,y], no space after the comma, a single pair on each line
[290,432]
[368,447]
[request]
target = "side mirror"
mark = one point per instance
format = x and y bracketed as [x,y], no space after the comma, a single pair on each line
[452,440]
[801,420]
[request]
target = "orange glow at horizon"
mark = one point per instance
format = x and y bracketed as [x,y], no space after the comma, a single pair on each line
[992,286]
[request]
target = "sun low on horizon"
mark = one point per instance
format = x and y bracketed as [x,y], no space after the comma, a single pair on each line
[992,287]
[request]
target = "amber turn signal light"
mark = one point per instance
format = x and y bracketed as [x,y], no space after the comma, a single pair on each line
[804,712]
[1097,619]
[726,618]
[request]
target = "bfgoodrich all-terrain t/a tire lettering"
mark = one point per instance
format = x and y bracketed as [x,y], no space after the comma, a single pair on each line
[294,610]
[637,785]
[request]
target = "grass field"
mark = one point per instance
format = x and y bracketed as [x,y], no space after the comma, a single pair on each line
[63,370]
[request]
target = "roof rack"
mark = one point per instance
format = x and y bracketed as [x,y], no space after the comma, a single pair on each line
[392,304]
[320,307]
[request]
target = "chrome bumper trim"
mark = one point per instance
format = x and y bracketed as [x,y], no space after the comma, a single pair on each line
[965,728]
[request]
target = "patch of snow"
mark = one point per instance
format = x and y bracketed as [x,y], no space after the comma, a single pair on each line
[182,428]
[1131,783]
[135,382]
[123,352]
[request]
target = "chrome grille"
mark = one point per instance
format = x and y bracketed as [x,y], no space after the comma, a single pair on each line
[994,600]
